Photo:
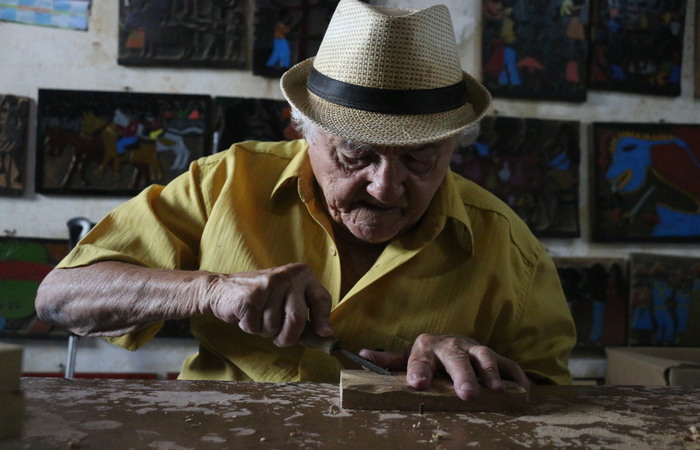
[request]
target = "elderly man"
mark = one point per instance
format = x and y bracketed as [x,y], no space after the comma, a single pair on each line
[358,231]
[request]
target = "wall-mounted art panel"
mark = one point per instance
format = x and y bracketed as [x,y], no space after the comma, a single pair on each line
[597,291]
[637,46]
[646,182]
[535,49]
[696,75]
[288,32]
[202,33]
[532,165]
[24,262]
[14,126]
[72,14]
[664,300]
[117,143]
[241,119]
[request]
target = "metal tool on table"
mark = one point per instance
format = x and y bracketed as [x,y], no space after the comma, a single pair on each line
[78,227]
[331,346]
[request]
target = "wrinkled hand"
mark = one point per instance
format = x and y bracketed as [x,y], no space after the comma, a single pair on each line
[464,359]
[276,302]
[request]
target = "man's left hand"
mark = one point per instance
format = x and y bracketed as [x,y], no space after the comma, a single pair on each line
[464,359]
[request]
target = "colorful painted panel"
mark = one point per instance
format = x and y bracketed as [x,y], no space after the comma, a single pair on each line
[664,300]
[202,33]
[72,14]
[242,119]
[117,142]
[596,290]
[24,262]
[288,32]
[646,182]
[532,165]
[14,125]
[637,46]
[535,49]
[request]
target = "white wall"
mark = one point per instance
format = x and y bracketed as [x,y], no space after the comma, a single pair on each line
[35,57]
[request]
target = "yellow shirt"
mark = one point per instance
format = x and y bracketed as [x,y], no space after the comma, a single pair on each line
[471,267]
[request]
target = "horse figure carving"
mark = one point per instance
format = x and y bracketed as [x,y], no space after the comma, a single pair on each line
[83,152]
[143,157]
[643,161]
[166,138]
[172,140]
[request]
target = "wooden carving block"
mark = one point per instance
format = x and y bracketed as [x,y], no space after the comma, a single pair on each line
[10,367]
[12,414]
[361,389]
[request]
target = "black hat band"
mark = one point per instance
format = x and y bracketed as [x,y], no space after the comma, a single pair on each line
[387,101]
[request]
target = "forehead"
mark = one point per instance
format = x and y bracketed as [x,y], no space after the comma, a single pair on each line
[448,143]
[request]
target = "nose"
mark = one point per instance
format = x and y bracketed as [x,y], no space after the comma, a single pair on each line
[387,181]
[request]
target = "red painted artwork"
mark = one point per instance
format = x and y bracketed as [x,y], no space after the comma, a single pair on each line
[24,262]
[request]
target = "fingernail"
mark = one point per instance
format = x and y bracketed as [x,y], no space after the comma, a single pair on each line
[417,377]
[467,391]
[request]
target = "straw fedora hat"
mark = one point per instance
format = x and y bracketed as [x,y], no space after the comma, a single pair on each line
[387,76]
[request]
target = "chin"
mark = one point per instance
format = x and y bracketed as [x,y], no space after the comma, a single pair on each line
[374,237]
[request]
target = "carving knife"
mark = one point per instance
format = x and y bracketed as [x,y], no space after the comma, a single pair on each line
[331,346]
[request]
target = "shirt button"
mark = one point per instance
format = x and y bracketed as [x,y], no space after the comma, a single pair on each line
[333,251]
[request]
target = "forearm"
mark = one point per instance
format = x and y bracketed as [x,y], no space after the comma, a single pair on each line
[113,298]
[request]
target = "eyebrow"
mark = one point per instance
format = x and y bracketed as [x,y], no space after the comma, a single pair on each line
[353,145]
[356,146]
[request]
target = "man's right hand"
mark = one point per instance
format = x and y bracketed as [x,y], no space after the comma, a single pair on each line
[275,303]
[111,298]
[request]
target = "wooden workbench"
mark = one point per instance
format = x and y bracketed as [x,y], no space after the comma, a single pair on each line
[116,414]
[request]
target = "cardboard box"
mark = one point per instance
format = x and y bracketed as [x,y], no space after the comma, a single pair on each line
[647,366]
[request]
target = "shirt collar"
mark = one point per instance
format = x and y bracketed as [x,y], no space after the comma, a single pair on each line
[298,169]
[446,209]
[447,213]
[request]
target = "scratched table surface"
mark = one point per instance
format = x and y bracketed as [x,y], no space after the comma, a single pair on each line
[122,414]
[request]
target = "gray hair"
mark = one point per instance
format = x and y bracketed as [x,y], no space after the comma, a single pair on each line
[310,130]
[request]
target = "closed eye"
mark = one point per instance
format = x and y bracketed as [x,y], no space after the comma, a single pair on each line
[420,161]
[355,158]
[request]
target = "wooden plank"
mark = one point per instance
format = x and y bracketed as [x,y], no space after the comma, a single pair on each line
[361,389]
[12,414]
[10,367]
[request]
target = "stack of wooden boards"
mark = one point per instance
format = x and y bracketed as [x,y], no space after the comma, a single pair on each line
[11,398]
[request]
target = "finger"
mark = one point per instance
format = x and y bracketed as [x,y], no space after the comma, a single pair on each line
[272,316]
[272,320]
[388,360]
[458,365]
[295,318]
[319,302]
[249,318]
[514,372]
[422,363]
[486,363]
